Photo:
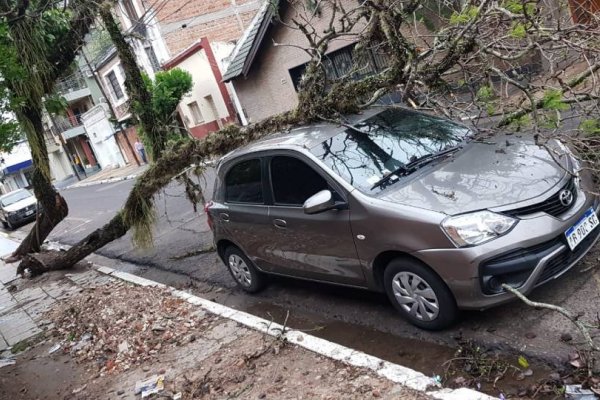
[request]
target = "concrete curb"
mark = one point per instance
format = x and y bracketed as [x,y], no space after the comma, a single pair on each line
[101,182]
[393,372]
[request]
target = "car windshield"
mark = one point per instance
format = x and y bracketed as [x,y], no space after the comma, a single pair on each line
[392,142]
[15,196]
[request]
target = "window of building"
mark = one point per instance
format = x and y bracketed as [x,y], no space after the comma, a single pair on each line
[343,62]
[294,181]
[243,183]
[196,113]
[153,59]
[115,86]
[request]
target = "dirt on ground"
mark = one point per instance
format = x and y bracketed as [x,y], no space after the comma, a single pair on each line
[107,339]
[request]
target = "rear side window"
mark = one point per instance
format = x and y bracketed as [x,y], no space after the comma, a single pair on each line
[294,181]
[243,183]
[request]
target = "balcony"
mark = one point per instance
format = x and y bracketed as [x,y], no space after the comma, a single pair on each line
[73,87]
[69,126]
[51,143]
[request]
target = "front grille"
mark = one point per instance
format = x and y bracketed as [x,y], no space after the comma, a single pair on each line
[565,258]
[551,206]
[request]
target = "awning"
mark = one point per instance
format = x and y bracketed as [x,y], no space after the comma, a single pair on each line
[17,167]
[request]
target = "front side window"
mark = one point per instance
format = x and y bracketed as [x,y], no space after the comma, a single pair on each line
[294,181]
[243,183]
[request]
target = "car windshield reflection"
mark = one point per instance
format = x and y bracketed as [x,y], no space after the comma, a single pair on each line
[390,142]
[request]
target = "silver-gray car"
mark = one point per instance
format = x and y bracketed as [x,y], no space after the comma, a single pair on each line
[404,203]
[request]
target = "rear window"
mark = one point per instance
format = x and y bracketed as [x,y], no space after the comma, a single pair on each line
[243,183]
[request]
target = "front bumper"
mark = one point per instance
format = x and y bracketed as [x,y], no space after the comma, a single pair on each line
[22,216]
[533,253]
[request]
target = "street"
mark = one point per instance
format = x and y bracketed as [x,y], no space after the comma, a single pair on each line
[351,317]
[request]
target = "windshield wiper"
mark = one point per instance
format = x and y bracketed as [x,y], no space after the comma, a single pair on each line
[414,165]
[427,158]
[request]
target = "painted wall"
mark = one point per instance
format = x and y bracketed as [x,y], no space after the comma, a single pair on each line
[205,85]
[101,134]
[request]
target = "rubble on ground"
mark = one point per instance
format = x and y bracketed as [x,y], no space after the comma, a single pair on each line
[120,325]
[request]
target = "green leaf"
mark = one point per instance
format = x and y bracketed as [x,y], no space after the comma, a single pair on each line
[553,100]
[466,15]
[518,31]
[590,126]
[485,93]
[523,362]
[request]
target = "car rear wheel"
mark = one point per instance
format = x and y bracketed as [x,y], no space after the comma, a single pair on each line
[419,294]
[243,270]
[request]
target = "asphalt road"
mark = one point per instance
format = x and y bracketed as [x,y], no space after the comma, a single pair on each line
[353,317]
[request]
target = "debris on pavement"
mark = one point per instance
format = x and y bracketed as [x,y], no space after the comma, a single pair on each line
[119,325]
[152,385]
[55,348]
[576,392]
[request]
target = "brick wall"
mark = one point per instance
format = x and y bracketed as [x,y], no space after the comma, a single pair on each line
[129,152]
[218,20]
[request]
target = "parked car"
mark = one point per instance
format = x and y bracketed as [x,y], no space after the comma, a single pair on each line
[17,208]
[404,203]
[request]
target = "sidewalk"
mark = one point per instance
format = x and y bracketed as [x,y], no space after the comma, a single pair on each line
[93,332]
[109,175]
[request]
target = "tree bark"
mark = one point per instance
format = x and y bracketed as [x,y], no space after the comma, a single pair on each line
[52,206]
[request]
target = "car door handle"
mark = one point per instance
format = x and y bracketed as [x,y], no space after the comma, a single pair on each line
[224,217]
[280,223]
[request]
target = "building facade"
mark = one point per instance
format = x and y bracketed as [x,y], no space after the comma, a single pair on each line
[208,107]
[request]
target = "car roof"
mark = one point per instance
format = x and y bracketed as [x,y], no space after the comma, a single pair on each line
[13,192]
[306,137]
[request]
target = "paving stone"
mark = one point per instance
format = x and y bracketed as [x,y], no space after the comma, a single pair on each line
[19,337]
[29,295]
[8,273]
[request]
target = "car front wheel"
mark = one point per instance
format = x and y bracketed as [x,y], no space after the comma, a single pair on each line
[243,270]
[419,294]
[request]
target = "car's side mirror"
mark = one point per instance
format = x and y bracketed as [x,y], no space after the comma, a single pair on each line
[320,202]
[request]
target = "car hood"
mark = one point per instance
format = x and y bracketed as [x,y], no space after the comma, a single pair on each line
[20,204]
[494,173]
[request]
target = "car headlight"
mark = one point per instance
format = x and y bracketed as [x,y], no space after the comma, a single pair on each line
[476,228]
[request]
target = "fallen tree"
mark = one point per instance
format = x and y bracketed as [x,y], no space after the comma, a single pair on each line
[457,66]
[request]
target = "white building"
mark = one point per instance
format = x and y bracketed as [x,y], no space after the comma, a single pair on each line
[101,134]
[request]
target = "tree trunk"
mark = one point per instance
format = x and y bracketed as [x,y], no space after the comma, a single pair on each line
[52,206]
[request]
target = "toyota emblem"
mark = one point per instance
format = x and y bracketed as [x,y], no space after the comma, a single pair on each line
[565,197]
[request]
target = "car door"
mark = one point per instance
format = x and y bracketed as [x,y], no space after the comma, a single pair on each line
[318,246]
[243,215]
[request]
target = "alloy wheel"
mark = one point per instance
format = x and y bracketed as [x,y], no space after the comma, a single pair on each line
[415,296]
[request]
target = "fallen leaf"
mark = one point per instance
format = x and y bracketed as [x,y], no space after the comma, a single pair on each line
[523,362]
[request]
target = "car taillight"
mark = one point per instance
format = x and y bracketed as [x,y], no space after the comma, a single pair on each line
[209,219]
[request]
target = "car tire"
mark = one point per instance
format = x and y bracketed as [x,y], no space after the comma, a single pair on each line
[4,224]
[419,294]
[8,225]
[243,271]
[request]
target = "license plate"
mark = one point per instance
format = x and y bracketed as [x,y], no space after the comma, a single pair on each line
[27,213]
[582,228]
